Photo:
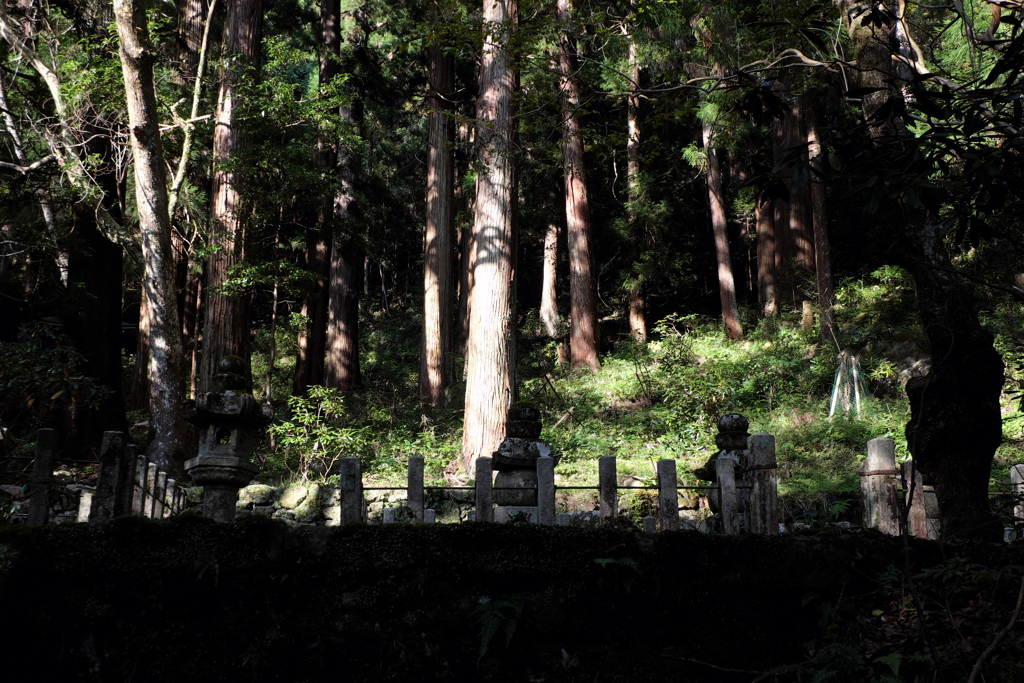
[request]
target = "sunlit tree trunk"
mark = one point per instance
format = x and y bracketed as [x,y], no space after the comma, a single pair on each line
[726,283]
[436,356]
[767,292]
[583,338]
[226,320]
[490,358]
[636,296]
[819,221]
[167,427]
[549,284]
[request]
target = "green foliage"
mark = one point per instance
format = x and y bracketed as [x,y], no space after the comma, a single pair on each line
[496,616]
[40,374]
[314,433]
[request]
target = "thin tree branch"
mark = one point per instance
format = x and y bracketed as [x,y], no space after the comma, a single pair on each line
[976,671]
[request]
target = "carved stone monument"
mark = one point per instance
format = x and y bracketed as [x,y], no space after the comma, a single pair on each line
[732,441]
[516,464]
[228,419]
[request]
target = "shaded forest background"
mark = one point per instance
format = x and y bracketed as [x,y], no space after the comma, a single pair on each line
[639,215]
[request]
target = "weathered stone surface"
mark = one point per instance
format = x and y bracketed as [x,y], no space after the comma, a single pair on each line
[256,494]
[292,496]
[519,479]
[308,510]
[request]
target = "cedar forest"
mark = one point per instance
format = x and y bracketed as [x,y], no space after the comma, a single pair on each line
[639,214]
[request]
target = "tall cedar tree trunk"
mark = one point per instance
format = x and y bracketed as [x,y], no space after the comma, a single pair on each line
[490,358]
[312,337]
[192,17]
[637,300]
[342,364]
[726,283]
[347,261]
[549,284]
[800,225]
[167,427]
[819,223]
[782,153]
[436,356]
[955,423]
[583,338]
[767,290]
[226,320]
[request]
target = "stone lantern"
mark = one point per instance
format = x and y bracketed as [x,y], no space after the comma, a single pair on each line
[228,420]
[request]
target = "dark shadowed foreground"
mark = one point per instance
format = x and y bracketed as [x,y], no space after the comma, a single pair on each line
[187,599]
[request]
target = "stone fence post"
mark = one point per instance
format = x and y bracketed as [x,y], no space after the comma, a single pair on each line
[1017,487]
[42,477]
[414,488]
[878,487]
[546,490]
[668,495]
[484,489]
[729,512]
[608,489]
[764,492]
[111,476]
[351,480]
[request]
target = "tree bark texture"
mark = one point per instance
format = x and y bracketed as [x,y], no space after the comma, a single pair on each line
[636,297]
[490,358]
[549,286]
[767,289]
[312,336]
[226,319]
[342,365]
[819,223]
[341,369]
[726,283]
[583,338]
[955,423]
[167,427]
[437,353]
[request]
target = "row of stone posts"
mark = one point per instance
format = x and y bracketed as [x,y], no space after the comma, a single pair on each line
[888,492]
[745,496]
[127,484]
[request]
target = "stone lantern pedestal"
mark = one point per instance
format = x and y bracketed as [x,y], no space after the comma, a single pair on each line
[516,464]
[228,420]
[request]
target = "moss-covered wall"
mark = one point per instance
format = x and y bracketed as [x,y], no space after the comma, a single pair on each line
[186,599]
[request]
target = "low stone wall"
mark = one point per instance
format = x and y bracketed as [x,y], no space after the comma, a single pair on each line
[310,504]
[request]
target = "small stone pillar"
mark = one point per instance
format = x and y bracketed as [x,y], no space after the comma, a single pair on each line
[608,488]
[764,487]
[414,487]
[353,504]
[878,487]
[729,510]
[484,511]
[42,478]
[111,476]
[923,506]
[668,495]
[228,419]
[1017,487]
